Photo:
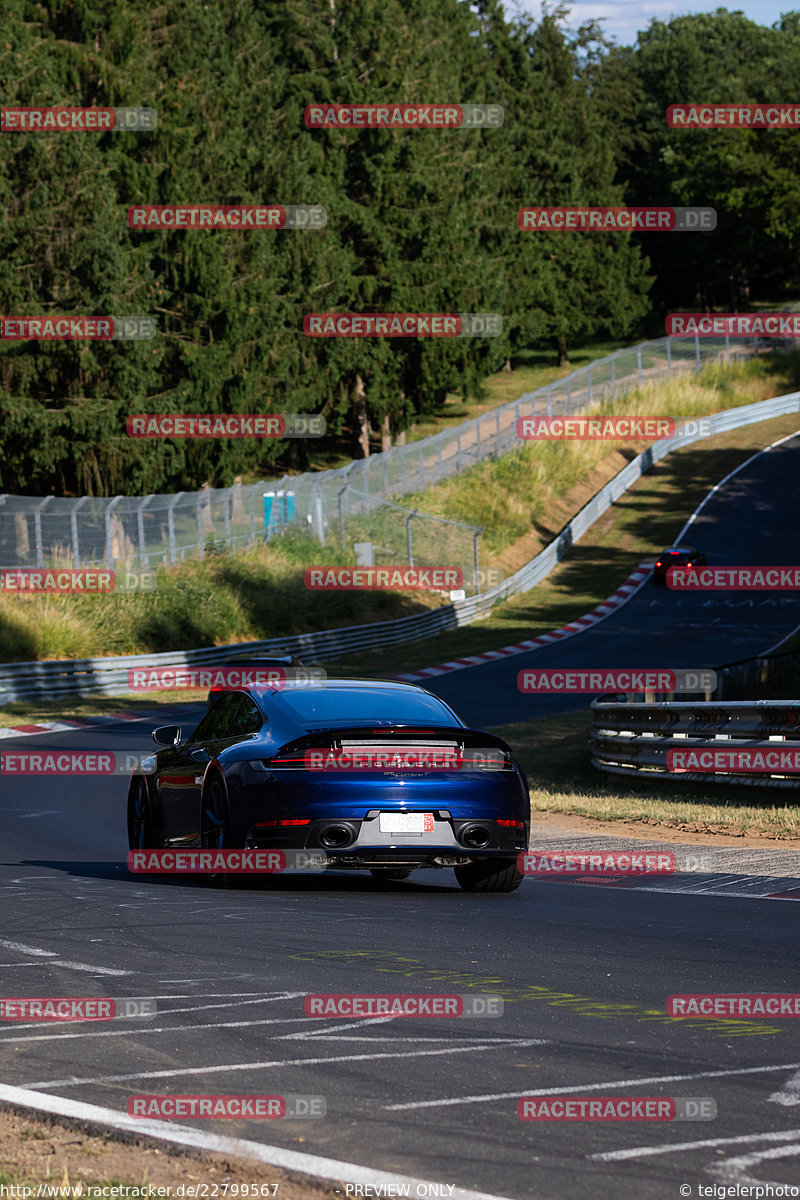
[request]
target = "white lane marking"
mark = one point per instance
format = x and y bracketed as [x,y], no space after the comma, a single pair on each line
[286,1062]
[590,1087]
[76,966]
[262,999]
[789,1094]
[782,1135]
[35,952]
[722,483]
[183,1135]
[335,1028]
[140,1030]
[733,1169]
[32,950]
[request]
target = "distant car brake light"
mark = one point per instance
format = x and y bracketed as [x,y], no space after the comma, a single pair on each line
[272,824]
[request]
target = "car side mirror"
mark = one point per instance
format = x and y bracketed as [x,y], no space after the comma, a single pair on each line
[167,735]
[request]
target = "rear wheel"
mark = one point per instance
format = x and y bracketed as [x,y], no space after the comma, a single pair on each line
[215,829]
[390,874]
[140,818]
[490,875]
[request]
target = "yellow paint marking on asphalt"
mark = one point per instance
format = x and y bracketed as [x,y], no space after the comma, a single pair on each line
[585,1006]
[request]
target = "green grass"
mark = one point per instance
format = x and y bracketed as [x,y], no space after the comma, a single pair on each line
[524,498]
[555,753]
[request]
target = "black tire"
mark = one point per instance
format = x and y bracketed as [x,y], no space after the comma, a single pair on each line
[490,875]
[140,816]
[215,828]
[390,874]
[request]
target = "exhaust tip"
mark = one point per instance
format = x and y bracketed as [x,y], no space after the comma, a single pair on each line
[476,837]
[336,836]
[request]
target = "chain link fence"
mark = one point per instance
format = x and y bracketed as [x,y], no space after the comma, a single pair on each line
[145,531]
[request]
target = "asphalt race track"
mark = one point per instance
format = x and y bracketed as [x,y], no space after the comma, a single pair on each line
[752,520]
[584,972]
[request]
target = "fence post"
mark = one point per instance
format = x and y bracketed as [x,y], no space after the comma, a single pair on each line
[409,554]
[201,550]
[37,525]
[639,363]
[227,505]
[549,402]
[613,376]
[341,515]
[476,578]
[253,514]
[73,523]
[421,467]
[569,396]
[727,348]
[589,382]
[145,561]
[109,540]
[697,351]
[173,557]
[403,468]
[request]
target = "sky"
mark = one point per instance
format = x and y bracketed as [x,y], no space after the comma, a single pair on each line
[623,18]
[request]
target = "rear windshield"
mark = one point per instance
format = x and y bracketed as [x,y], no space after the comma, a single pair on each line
[345,704]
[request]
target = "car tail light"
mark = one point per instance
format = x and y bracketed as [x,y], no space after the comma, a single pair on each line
[658,564]
[512,824]
[282,824]
[489,758]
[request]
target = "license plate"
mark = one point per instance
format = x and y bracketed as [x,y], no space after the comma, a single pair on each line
[406,823]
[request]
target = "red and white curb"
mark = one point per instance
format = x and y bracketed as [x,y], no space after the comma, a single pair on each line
[615,601]
[17,731]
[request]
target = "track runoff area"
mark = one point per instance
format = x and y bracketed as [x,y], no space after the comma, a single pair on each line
[563,1040]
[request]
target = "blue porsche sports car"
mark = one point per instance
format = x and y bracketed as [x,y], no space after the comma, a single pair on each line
[379,776]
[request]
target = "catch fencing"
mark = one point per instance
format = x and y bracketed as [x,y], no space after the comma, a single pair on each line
[22,681]
[633,739]
[139,532]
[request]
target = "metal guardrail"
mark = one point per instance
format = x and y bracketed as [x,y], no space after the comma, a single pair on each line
[107,676]
[634,738]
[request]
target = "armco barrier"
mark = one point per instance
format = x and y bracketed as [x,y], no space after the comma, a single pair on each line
[107,676]
[633,738]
